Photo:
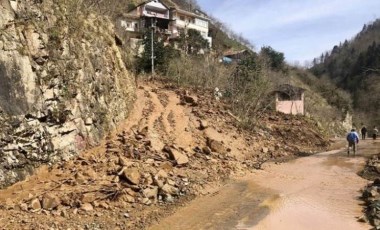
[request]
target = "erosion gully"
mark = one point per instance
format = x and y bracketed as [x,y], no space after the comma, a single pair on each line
[315,192]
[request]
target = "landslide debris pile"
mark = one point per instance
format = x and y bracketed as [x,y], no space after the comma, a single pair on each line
[174,146]
[371,193]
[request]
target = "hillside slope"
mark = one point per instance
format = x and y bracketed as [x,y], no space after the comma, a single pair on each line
[355,66]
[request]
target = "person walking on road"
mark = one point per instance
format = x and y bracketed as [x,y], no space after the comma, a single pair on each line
[353,141]
[364,132]
[375,132]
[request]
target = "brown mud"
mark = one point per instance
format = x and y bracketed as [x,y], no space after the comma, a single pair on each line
[315,192]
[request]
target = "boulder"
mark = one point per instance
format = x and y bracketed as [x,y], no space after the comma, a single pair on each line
[166,166]
[159,183]
[129,198]
[35,204]
[88,121]
[215,146]
[148,180]
[169,189]
[151,192]
[88,197]
[139,137]
[80,178]
[206,150]
[104,205]
[190,100]
[63,213]
[9,204]
[49,202]
[203,124]
[123,161]
[162,174]
[91,174]
[87,207]
[132,175]
[176,156]
[265,150]
[24,207]
[146,201]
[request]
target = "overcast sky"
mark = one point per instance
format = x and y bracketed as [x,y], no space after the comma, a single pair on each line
[301,29]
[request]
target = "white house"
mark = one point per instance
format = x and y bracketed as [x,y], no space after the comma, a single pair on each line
[130,23]
[143,15]
[168,21]
[182,20]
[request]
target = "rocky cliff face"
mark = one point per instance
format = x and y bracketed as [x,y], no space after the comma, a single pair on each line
[63,83]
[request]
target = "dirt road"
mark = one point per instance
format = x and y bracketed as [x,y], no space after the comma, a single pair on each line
[316,192]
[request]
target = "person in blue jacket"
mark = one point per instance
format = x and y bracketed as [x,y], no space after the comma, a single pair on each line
[353,141]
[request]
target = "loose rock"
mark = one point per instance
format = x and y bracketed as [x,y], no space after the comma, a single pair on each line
[132,175]
[215,146]
[35,204]
[50,202]
[175,155]
[87,207]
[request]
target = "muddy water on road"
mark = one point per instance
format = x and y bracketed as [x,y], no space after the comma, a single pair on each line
[316,192]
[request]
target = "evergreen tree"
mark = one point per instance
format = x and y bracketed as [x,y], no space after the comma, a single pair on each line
[276,58]
[162,54]
[192,42]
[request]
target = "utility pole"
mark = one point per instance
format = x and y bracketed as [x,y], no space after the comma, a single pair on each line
[152,44]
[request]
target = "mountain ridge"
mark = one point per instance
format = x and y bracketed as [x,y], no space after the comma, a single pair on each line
[355,66]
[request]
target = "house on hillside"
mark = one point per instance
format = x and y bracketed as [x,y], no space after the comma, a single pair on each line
[130,23]
[167,21]
[145,15]
[290,99]
[183,20]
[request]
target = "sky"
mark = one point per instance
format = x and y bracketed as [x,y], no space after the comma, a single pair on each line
[301,29]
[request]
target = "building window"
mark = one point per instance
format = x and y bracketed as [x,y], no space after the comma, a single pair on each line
[182,18]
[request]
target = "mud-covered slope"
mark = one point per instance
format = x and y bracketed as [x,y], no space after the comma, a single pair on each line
[63,84]
[175,145]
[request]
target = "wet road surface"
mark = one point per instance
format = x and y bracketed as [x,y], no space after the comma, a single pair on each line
[315,192]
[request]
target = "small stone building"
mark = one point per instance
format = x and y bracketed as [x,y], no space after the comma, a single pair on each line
[290,99]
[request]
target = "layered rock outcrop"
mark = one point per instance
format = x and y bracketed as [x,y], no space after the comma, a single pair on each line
[63,83]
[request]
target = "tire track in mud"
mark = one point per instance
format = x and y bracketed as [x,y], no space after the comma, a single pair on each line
[168,122]
[179,122]
[153,123]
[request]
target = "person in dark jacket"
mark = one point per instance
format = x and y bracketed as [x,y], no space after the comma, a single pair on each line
[364,132]
[353,141]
